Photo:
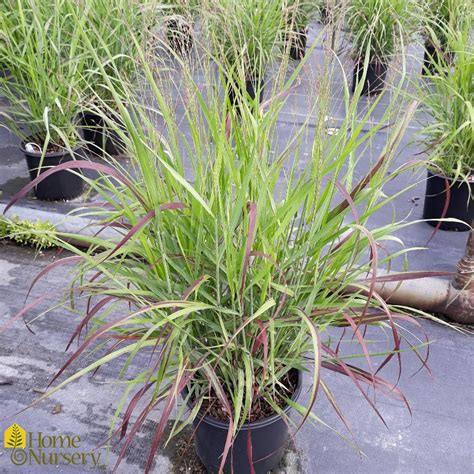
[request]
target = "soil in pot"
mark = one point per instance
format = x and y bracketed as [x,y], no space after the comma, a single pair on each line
[252,88]
[60,186]
[100,139]
[179,36]
[298,40]
[460,205]
[268,434]
[374,79]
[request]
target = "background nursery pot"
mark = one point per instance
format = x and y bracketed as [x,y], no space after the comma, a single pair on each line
[430,56]
[374,79]
[269,440]
[324,15]
[434,56]
[461,205]
[252,87]
[62,185]
[298,41]
[100,139]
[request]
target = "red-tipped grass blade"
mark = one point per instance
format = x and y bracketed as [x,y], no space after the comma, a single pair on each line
[252,215]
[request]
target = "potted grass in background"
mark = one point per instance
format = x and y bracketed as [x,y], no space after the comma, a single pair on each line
[327,10]
[379,29]
[179,24]
[243,35]
[109,25]
[233,273]
[40,50]
[439,18]
[449,137]
[9,19]
[298,15]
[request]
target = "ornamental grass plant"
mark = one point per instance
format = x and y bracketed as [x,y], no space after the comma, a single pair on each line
[109,24]
[297,17]
[184,8]
[442,16]
[448,97]
[243,35]
[300,13]
[234,255]
[380,28]
[331,10]
[177,19]
[40,49]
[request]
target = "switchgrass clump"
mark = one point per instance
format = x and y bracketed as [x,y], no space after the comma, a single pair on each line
[380,28]
[442,16]
[179,17]
[185,8]
[300,13]
[41,51]
[243,34]
[330,11]
[235,254]
[109,25]
[449,100]
[234,259]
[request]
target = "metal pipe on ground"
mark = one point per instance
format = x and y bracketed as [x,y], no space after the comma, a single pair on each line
[454,299]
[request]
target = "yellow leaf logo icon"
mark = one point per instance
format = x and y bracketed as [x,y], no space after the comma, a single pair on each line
[14,437]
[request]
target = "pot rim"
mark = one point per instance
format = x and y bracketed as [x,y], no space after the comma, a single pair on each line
[260,80]
[87,113]
[432,174]
[53,154]
[210,420]
[301,31]
[383,63]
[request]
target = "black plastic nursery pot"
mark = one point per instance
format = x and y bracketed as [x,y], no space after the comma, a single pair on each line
[460,206]
[324,15]
[252,88]
[298,41]
[179,36]
[100,139]
[430,58]
[374,79]
[60,186]
[434,56]
[269,439]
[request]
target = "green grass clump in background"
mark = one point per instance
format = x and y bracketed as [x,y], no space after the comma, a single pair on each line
[380,27]
[38,234]
[449,100]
